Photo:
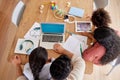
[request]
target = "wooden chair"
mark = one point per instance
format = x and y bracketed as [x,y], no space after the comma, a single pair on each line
[17,13]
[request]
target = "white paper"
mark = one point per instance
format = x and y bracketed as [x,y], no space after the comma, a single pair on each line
[81,38]
[34,32]
[73,43]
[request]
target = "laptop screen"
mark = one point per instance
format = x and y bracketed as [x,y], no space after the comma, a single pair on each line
[54,28]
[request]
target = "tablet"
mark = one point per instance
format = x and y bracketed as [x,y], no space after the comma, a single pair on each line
[83,26]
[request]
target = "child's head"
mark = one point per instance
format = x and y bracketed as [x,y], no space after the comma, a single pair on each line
[61,68]
[37,60]
[110,40]
[100,18]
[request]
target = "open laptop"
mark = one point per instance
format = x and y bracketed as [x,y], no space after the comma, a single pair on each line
[51,34]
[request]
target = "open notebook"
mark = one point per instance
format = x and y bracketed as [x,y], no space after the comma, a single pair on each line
[76,44]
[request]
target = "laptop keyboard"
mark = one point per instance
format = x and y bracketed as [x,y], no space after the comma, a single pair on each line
[52,38]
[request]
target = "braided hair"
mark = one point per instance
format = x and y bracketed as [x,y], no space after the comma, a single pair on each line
[37,60]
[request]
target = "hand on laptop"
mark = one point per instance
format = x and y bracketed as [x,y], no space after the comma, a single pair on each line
[58,48]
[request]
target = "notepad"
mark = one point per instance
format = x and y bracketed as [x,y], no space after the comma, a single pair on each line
[73,43]
[76,11]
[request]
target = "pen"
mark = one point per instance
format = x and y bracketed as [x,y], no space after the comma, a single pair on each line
[37,28]
[80,48]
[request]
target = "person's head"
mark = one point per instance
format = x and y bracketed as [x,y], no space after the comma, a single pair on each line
[108,38]
[100,18]
[61,68]
[37,60]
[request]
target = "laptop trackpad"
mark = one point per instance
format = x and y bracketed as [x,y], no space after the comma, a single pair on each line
[52,38]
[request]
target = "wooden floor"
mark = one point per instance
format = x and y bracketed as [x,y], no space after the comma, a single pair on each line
[8,31]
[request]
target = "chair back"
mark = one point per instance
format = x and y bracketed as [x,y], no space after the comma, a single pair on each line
[114,63]
[17,13]
[101,3]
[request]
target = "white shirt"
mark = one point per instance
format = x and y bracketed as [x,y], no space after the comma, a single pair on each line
[78,69]
[43,75]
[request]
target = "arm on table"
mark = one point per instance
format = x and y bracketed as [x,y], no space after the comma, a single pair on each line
[59,49]
[16,60]
[77,62]
[89,35]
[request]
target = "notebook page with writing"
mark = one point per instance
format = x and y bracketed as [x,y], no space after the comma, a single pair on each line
[73,43]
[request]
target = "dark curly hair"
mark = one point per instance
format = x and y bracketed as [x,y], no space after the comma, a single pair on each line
[108,38]
[100,18]
[61,68]
[37,60]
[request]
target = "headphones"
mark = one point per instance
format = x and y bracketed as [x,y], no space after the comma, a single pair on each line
[29,50]
[69,18]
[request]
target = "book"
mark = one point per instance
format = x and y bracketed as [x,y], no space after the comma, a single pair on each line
[25,46]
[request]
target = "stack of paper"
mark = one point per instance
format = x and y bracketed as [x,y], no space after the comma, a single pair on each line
[76,44]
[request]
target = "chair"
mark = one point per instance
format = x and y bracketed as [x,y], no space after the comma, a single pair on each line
[101,3]
[114,64]
[17,13]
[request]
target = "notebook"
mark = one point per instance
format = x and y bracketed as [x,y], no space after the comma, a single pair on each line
[25,46]
[76,44]
[52,33]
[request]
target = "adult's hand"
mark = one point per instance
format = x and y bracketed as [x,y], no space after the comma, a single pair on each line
[58,48]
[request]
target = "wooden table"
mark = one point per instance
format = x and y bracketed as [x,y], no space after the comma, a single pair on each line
[32,14]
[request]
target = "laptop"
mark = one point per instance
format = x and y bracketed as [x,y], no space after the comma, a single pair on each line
[52,33]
